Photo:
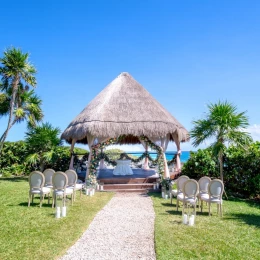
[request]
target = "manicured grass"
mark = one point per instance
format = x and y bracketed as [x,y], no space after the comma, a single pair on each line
[234,236]
[34,233]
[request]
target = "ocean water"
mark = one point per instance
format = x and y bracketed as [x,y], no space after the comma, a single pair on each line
[185,155]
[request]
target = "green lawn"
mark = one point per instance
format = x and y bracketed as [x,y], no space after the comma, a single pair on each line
[235,236]
[34,233]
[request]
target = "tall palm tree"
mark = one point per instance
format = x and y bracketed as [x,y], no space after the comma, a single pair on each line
[224,124]
[15,68]
[27,107]
[42,142]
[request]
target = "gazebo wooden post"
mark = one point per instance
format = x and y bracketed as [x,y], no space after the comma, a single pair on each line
[71,152]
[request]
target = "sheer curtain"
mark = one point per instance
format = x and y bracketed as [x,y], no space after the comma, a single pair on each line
[164,144]
[72,156]
[145,165]
[101,140]
[91,140]
[178,145]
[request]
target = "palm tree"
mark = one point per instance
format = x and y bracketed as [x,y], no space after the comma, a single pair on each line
[225,125]
[15,68]
[27,107]
[42,142]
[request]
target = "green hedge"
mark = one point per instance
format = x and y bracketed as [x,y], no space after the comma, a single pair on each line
[12,159]
[241,168]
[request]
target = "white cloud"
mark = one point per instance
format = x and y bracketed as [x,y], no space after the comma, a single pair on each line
[254,130]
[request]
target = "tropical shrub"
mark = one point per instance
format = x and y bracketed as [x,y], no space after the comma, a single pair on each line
[12,159]
[241,168]
[201,163]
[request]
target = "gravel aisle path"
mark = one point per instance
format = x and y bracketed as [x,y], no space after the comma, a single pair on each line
[123,229]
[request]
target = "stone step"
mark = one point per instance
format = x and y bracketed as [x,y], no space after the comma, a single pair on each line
[128,186]
[126,180]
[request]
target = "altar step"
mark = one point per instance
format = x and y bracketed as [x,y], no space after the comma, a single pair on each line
[115,180]
[134,187]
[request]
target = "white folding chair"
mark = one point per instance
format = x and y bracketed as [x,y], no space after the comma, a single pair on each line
[60,182]
[48,173]
[72,182]
[189,194]
[180,182]
[203,186]
[215,192]
[36,182]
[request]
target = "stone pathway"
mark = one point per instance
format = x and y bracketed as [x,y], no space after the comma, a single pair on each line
[123,229]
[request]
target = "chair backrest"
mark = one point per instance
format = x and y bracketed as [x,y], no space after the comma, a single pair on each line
[48,173]
[190,188]
[180,182]
[36,180]
[216,188]
[59,181]
[204,183]
[72,177]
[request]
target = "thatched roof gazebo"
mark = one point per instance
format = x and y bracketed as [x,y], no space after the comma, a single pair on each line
[125,108]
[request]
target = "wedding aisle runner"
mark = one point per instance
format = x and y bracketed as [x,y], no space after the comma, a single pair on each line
[123,229]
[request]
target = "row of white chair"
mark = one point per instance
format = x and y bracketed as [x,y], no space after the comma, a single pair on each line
[60,183]
[190,191]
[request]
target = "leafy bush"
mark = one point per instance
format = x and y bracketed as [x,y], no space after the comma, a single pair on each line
[241,168]
[201,163]
[12,159]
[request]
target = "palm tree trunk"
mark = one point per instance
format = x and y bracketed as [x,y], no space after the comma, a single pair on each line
[12,104]
[3,137]
[220,159]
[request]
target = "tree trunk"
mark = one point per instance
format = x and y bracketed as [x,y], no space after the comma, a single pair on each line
[3,137]
[12,104]
[220,159]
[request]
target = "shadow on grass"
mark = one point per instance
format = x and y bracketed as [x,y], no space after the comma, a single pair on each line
[14,179]
[249,219]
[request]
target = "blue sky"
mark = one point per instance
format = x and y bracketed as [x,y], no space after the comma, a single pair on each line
[185,53]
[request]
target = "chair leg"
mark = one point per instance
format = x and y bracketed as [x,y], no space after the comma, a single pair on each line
[41,199]
[48,198]
[221,210]
[177,204]
[32,197]
[171,197]
[29,201]
[53,198]
[201,205]
[209,208]
[72,198]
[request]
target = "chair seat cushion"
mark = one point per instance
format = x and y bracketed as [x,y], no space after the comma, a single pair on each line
[174,192]
[211,199]
[79,186]
[44,190]
[67,191]
[186,199]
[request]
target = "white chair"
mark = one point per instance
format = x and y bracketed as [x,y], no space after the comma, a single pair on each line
[60,183]
[189,194]
[36,182]
[180,182]
[203,186]
[215,192]
[48,173]
[72,182]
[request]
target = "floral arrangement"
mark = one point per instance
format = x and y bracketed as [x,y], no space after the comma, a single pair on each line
[166,183]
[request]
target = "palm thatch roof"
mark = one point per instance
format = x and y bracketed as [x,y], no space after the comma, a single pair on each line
[126,108]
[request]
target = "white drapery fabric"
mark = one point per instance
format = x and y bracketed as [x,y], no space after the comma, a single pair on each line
[72,156]
[101,140]
[145,165]
[178,145]
[164,144]
[91,140]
